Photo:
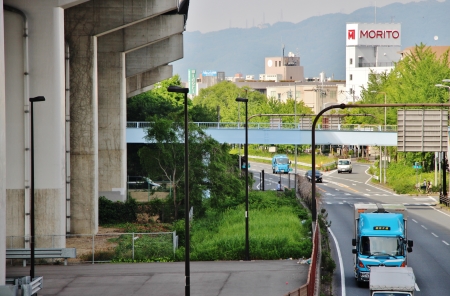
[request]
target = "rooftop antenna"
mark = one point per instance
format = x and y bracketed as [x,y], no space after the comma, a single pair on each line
[375,12]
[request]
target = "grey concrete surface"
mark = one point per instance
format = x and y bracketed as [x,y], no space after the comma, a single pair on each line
[224,278]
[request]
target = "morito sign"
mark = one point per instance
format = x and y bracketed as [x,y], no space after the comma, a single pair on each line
[373,34]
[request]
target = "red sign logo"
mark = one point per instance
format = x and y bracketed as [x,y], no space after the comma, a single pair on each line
[381,34]
[351,34]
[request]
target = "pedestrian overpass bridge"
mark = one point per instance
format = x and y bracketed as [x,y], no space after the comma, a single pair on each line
[285,133]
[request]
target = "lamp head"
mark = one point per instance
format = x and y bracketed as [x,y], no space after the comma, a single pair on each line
[178,89]
[241,100]
[37,99]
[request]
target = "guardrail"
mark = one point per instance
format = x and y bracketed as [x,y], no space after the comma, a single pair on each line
[24,286]
[41,253]
[285,126]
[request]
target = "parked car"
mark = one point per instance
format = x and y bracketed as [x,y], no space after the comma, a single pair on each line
[308,175]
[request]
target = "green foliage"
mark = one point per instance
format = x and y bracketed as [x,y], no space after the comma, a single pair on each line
[110,212]
[224,94]
[147,248]
[275,230]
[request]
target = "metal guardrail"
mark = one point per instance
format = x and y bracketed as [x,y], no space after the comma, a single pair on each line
[24,286]
[284,126]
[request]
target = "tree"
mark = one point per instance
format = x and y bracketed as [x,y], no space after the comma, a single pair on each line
[209,162]
[412,80]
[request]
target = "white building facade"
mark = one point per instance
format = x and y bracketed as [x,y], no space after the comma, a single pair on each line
[370,49]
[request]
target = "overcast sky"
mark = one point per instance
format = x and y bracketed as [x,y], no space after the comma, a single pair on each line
[214,15]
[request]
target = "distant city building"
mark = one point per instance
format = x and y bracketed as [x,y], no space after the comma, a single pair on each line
[209,78]
[370,48]
[437,50]
[287,66]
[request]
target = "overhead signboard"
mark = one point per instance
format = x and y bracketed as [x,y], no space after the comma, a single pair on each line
[424,130]
[373,34]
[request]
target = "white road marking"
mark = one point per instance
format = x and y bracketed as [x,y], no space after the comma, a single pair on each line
[445,242]
[417,287]
[414,220]
[424,227]
[434,234]
[367,189]
[341,265]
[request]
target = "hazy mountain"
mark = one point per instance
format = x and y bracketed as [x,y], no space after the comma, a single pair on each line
[320,41]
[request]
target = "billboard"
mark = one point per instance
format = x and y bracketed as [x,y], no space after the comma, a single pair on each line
[209,73]
[192,81]
[373,34]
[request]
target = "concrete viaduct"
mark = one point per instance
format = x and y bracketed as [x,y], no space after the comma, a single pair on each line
[86,57]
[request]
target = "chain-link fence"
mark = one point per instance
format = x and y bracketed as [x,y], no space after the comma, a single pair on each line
[107,247]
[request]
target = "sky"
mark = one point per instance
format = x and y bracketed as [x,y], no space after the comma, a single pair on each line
[214,15]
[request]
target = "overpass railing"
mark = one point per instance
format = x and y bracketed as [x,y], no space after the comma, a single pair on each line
[285,126]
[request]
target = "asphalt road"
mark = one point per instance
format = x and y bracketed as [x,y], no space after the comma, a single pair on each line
[428,226]
[224,278]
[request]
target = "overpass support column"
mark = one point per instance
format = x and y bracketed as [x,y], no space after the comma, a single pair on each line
[2,153]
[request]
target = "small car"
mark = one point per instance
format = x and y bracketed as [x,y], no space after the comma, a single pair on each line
[344,165]
[308,175]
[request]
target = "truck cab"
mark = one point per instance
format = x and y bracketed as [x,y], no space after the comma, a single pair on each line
[380,238]
[281,164]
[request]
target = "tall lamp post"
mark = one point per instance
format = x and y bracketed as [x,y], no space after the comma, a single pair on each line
[247,251]
[32,232]
[184,90]
[444,167]
[382,92]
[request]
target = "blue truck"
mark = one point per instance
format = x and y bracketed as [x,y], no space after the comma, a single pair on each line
[281,164]
[380,238]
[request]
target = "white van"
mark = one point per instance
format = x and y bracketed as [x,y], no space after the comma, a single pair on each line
[344,165]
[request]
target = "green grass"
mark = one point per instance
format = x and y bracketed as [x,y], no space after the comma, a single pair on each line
[276,231]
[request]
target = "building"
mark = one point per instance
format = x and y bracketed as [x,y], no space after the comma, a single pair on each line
[370,49]
[437,50]
[286,67]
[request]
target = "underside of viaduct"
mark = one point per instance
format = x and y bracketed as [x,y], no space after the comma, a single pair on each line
[86,58]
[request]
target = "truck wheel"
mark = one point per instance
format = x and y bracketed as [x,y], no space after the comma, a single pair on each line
[273,171]
[350,172]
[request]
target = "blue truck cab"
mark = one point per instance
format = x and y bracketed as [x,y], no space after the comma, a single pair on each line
[281,164]
[380,238]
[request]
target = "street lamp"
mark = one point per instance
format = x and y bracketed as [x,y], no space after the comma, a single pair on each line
[443,179]
[247,251]
[32,244]
[184,90]
[382,92]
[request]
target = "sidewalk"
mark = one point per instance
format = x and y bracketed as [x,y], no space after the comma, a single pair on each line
[224,278]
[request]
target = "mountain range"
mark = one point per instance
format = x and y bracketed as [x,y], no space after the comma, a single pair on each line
[319,41]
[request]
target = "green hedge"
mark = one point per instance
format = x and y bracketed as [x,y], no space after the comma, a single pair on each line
[110,212]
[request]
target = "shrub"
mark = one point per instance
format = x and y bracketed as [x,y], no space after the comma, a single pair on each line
[110,212]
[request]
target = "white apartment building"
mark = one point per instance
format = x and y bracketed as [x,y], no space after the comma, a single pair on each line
[370,48]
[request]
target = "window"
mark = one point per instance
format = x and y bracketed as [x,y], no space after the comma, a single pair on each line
[273,94]
[279,96]
[351,62]
[297,94]
[276,64]
[332,94]
[351,77]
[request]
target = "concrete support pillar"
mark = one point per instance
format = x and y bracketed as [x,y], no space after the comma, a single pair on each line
[45,78]
[2,153]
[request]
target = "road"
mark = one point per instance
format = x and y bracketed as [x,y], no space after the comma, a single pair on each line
[428,227]
[271,180]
